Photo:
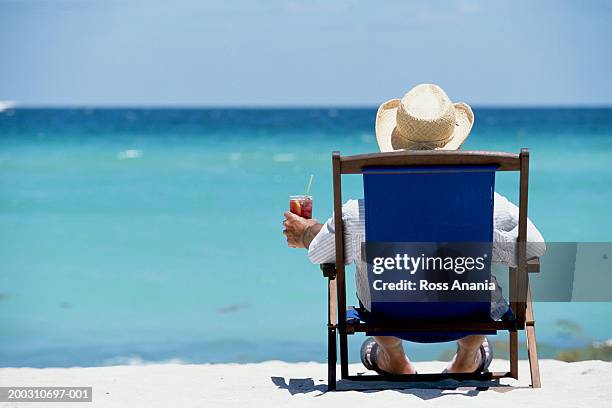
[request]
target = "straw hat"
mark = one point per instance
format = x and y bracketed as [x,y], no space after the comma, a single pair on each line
[423,119]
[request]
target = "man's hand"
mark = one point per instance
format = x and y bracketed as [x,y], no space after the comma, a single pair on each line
[295,227]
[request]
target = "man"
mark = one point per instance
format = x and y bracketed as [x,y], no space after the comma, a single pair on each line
[424,119]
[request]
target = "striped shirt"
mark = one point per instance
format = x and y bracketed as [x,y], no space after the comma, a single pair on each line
[505,233]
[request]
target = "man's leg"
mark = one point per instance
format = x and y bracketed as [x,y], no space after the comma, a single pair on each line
[391,357]
[468,356]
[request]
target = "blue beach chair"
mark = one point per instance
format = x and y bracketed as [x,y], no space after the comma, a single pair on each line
[430,202]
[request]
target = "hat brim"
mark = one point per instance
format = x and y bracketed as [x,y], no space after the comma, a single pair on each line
[386,121]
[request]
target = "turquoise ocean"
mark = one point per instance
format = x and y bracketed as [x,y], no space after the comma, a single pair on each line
[131,235]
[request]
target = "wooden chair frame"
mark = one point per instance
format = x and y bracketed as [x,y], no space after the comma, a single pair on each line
[520,296]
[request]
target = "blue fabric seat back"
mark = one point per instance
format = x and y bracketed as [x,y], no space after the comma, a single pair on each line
[429,205]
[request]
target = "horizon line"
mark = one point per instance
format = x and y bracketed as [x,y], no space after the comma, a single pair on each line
[287,107]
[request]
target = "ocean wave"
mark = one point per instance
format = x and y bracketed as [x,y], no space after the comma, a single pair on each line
[129,154]
[137,360]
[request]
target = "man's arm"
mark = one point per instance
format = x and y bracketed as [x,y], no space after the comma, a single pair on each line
[505,235]
[320,239]
[310,233]
[300,231]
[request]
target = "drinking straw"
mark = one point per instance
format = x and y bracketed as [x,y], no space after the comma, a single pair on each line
[309,184]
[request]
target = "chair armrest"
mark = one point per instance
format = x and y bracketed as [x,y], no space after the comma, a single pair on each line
[329,270]
[533,265]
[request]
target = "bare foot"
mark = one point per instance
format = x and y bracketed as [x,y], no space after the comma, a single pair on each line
[393,361]
[467,361]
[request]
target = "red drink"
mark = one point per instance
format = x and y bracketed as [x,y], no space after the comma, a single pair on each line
[301,205]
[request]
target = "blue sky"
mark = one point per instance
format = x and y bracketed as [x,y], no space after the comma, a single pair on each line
[254,53]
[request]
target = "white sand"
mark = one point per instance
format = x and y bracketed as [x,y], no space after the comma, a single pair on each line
[279,384]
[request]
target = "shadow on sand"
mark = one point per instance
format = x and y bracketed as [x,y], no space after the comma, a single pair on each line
[422,390]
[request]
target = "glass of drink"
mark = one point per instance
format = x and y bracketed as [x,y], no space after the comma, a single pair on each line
[301,205]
